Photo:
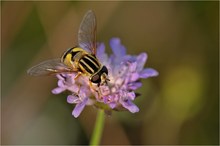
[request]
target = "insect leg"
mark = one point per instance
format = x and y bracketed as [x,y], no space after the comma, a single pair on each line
[77,75]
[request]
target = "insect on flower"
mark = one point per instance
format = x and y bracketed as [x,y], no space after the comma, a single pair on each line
[94,78]
[80,59]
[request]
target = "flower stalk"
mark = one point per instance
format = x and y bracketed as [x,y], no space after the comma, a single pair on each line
[98,129]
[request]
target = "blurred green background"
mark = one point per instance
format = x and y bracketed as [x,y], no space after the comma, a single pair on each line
[180,106]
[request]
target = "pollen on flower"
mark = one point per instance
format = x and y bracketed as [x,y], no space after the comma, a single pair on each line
[124,72]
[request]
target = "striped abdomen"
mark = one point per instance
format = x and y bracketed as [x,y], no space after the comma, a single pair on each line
[89,64]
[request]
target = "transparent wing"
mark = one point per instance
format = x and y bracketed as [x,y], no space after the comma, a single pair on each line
[48,67]
[87,33]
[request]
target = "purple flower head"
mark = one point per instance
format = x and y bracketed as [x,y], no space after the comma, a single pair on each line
[124,72]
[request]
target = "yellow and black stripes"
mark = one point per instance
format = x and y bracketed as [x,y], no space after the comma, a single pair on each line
[84,62]
[71,51]
[93,60]
[89,64]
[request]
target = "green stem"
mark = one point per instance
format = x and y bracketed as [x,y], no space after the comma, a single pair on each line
[99,125]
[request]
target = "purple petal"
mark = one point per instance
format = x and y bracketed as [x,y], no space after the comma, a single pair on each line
[73,99]
[130,106]
[84,91]
[134,77]
[58,90]
[134,85]
[133,67]
[79,108]
[60,83]
[73,88]
[118,49]
[148,72]
[141,59]
[131,95]
[71,80]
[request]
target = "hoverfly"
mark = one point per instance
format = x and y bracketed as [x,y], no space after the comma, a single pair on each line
[80,59]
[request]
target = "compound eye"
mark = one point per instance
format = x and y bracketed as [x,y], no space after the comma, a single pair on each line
[96,79]
[104,69]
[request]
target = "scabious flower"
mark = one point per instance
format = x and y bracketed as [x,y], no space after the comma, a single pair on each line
[124,72]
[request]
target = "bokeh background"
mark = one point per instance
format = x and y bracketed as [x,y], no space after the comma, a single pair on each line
[180,106]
